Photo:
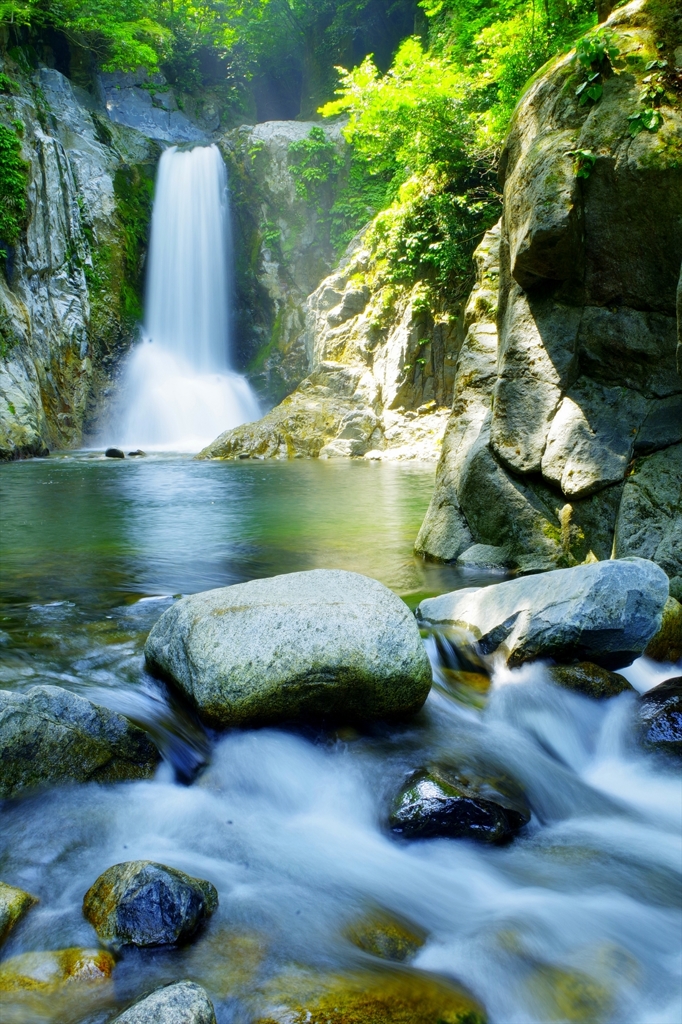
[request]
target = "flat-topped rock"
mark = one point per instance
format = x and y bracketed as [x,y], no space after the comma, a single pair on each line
[320,645]
[604,612]
[50,735]
[182,1003]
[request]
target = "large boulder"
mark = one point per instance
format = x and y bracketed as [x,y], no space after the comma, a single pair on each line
[14,903]
[568,446]
[605,612]
[322,645]
[49,735]
[145,904]
[182,1003]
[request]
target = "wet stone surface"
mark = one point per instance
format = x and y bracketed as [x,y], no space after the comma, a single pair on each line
[182,1003]
[660,713]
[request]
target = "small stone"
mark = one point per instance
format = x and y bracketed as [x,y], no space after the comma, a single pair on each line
[47,972]
[14,903]
[386,936]
[433,806]
[114,453]
[141,903]
[182,1003]
[666,646]
[138,454]
[49,735]
[589,679]
[660,713]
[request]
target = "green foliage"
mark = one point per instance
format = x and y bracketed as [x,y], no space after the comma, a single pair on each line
[583,162]
[13,186]
[649,120]
[7,84]
[316,161]
[134,190]
[594,54]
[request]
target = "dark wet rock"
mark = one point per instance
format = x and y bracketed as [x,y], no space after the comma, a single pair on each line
[381,997]
[182,1003]
[666,645]
[589,679]
[660,713]
[47,972]
[114,453]
[321,645]
[50,735]
[434,805]
[14,903]
[146,904]
[138,454]
[386,936]
[604,612]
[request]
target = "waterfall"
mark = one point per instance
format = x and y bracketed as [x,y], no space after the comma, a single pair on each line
[179,391]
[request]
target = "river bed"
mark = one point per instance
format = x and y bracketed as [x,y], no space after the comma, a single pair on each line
[578,919]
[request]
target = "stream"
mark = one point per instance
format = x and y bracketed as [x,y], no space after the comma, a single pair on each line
[578,919]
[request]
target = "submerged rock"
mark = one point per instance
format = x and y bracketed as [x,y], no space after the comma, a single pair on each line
[660,713]
[314,645]
[434,806]
[606,612]
[114,453]
[137,454]
[14,903]
[666,645]
[146,904]
[182,1003]
[48,972]
[50,735]
[368,998]
[386,936]
[591,680]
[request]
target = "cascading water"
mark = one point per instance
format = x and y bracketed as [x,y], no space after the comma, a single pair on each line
[179,391]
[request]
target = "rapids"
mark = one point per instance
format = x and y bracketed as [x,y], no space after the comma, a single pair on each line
[577,920]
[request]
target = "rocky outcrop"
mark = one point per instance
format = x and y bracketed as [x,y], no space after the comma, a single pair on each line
[564,442]
[321,645]
[282,247]
[381,369]
[69,288]
[606,612]
[145,904]
[182,1003]
[49,736]
[149,105]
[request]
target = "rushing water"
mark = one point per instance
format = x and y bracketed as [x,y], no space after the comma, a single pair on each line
[178,390]
[577,920]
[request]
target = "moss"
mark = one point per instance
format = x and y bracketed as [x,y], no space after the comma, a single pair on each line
[14,903]
[13,188]
[134,190]
[386,936]
[48,972]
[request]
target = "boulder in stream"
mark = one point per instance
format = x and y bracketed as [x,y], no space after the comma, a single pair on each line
[590,680]
[14,903]
[603,612]
[433,805]
[114,453]
[320,645]
[141,903]
[660,712]
[182,1003]
[386,936]
[48,971]
[50,735]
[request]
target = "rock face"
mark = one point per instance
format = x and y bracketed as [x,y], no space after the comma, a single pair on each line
[318,645]
[48,972]
[14,903]
[49,736]
[379,382]
[147,104]
[432,806]
[565,437]
[660,713]
[606,612]
[69,289]
[666,645]
[145,904]
[182,1003]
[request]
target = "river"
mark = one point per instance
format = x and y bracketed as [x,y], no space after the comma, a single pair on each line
[578,919]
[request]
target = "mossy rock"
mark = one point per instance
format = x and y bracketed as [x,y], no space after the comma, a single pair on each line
[48,972]
[386,936]
[368,998]
[666,646]
[14,903]
[565,995]
[590,680]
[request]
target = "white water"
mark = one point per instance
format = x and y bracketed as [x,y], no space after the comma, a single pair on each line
[178,391]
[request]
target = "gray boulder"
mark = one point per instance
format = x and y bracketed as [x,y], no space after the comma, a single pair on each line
[145,904]
[50,735]
[314,645]
[182,1003]
[606,612]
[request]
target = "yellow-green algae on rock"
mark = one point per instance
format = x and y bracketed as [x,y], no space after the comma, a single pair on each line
[389,997]
[386,936]
[14,903]
[49,971]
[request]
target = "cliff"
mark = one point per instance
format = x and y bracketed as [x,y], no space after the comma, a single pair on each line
[565,439]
